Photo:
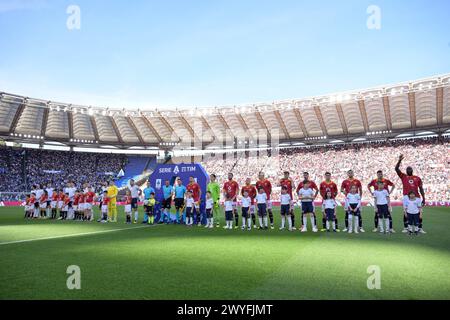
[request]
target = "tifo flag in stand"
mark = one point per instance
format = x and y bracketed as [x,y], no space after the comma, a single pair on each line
[120,174]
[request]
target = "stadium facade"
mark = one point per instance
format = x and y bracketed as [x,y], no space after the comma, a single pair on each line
[419,107]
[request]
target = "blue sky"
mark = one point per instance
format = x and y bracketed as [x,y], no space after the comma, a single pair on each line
[215,52]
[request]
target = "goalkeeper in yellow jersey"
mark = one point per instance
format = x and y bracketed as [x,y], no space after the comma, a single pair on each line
[112,192]
[214,188]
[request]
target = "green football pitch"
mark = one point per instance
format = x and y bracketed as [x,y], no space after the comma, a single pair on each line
[119,261]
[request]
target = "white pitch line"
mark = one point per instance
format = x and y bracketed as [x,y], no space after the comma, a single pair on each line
[73,235]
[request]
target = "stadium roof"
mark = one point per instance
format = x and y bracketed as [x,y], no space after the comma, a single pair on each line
[383,111]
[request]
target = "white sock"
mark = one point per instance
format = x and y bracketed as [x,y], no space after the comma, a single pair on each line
[334,225]
[243,222]
[265,221]
[386,221]
[328,225]
[350,220]
[290,222]
[136,216]
[249,222]
[312,221]
[356,223]
[283,221]
[208,221]
[305,222]
[260,222]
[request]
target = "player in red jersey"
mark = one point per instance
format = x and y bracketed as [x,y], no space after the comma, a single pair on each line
[346,185]
[410,183]
[231,189]
[43,203]
[267,187]
[127,208]
[313,186]
[76,198]
[328,186]
[54,203]
[81,205]
[194,187]
[29,206]
[32,202]
[251,190]
[386,184]
[89,198]
[61,197]
[66,203]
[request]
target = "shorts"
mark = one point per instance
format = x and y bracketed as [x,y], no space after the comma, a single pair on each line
[269,204]
[53,204]
[229,215]
[36,205]
[208,213]
[104,208]
[262,209]
[166,203]
[413,219]
[307,207]
[134,203]
[252,209]
[383,210]
[60,204]
[43,205]
[179,203]
[75,207]
[329,214]
[147,208]
[245,212]
[128,208]
[353,206]
[285,209]
[70,204]
[188,212]
[65,208]
[28,208]
[49,203]
[88,206]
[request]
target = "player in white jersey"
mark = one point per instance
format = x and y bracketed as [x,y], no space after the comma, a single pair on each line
[229,207]
[353,206]
[135,195]
[329,210]
[261,201]
[382,207]
[190,202]
[246,203]
[306,196]
[286,205]
[413,208]
[39,192]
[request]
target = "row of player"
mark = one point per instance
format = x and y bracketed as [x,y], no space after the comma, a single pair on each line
[77,204]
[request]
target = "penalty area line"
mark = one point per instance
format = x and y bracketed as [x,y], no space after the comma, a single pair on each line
[75,235]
